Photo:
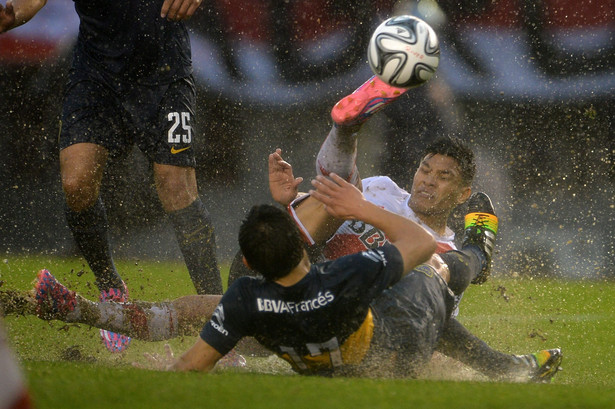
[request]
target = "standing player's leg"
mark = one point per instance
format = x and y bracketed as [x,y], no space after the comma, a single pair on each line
[81,167]
[177,189]
[169,144]
[91,130]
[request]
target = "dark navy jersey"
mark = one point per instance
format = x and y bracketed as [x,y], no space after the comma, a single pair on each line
[321,322]
[128,40]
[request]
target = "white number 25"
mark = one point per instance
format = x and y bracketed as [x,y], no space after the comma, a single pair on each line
[184,133]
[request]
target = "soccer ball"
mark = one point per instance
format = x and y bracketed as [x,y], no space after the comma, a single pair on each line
[404,52]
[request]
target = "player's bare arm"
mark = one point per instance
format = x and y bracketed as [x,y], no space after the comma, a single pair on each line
[18,12]
[200,357]
[284,188]
[283,185]
[177,10]
[344,201]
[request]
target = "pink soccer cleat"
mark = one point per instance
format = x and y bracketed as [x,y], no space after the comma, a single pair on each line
[53,299]
[114,342]
[365,101]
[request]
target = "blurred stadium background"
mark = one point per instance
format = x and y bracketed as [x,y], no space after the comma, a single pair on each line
[530,85]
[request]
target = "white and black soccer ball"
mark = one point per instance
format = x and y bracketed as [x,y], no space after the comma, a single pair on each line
[404,51]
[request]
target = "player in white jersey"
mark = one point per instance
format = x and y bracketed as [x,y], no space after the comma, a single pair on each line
[442,182]
[353,236]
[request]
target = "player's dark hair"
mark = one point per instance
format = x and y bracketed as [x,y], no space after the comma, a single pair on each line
[270,241]
[455,148]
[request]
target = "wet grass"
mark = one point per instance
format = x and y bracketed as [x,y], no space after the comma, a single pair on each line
[67,366]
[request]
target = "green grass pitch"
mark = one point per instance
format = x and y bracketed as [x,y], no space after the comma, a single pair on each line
[66,366]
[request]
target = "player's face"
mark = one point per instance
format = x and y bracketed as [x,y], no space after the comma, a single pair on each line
[437,186]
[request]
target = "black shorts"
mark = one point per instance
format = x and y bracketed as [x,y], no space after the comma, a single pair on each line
[159,119]
[409,318]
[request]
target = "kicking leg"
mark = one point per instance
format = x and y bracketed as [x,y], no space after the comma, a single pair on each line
[338,154]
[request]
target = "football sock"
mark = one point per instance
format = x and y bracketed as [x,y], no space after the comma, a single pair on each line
[338,154]
[146,321]
[195,235]
[464,265]
[90,230]
[458,343]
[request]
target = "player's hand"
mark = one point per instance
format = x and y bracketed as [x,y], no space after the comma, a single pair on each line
[341,199]
[177,10]
[283,185]
[157,361]
[7,17]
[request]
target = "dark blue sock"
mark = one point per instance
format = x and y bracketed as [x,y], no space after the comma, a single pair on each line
[195,236]
[464,265]
[90,231]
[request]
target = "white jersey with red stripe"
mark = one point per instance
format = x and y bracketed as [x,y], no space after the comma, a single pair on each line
[354,236]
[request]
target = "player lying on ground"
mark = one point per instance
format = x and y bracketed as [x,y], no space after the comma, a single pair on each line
[442,182]
[366,314]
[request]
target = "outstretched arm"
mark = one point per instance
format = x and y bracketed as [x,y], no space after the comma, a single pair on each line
[283,185]
[309,212]
[344,201]
[200,357]
[18,12]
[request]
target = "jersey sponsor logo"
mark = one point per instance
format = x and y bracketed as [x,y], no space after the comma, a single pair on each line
[291,307]
[357,226]
[373,238]
[176,151]
[370,236]
[217,320]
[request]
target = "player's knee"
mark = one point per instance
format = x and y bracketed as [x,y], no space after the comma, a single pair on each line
[80,193]
[176,186]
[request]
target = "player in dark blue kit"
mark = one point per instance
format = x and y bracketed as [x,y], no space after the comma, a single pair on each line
[130,83]
[371,313]
[356,315]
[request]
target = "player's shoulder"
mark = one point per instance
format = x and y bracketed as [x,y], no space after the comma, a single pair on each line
[381,183]
[243,285]
[378,181]
[383,190]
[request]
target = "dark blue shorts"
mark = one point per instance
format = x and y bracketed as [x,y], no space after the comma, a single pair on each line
[409,318]
[159,119]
